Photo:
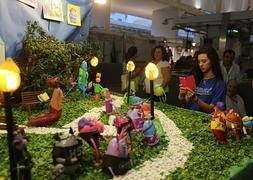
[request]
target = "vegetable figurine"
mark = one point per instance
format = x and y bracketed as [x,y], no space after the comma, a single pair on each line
[108,101]
[234,122]
[149,131]
[55,106]
[116,160]
[89,130]
[83,78]
[218,123]
[97,87]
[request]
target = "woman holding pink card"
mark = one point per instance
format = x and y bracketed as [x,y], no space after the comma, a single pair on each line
[210,87]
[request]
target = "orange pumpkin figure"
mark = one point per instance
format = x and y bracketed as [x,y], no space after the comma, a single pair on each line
[234,122]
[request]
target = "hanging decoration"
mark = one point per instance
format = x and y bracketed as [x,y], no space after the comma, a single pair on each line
[52,9]
[73,14]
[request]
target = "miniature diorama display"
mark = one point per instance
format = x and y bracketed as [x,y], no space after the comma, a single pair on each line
[149,131]
[116,160]
[108,101]
[67,155]
[89,130]
[83,79]
[218,123]
[234,123]
[23,157]
[55,106]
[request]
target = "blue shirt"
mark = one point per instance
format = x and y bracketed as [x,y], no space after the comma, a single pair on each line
[211,91]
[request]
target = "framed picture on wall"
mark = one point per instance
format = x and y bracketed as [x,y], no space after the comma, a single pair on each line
[73,14]
[52,9]
[32,3]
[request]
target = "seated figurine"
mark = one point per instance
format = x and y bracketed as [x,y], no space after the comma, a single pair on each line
[55,106]
[149,131]
[116,160]
[89,130]
[247,124]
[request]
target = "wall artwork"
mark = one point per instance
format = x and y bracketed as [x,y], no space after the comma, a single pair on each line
[73,14]
[52,9]
[32,3]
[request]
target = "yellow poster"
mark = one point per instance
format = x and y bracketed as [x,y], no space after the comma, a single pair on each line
[73,14]
[52,9]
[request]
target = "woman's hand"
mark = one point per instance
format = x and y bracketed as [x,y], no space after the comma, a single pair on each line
[182,92]
[191,96]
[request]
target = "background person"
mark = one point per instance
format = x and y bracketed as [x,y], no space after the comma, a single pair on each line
[210,86]
[159,56]
[229,69]
[234,100]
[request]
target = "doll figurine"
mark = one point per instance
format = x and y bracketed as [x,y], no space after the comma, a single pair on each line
[234,122]
[218,123]
[135,113]
[108,101]
[55,106]
[247,124]
[89,130]
[83,78]
[97,87]
[149,131]
[116,160]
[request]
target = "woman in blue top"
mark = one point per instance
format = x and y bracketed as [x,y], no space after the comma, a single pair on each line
[210,85]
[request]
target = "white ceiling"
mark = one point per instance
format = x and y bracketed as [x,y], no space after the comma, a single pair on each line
[143,8]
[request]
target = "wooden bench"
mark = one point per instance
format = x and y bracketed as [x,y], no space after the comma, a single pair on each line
[30,98]
[3,125]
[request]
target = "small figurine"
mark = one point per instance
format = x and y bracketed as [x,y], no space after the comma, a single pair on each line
[67,155]
[149,131]
[136,115]
[146,109]
[55,106]
[218,123]
[116,160]
[247,124]
[83,78]
[89,130]
[234,122]
[23,157]
[97,87]
[108,101]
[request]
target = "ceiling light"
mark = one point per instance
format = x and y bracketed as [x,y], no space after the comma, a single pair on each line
[100,1]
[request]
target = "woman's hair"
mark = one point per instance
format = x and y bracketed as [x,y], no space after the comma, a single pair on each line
[215,63]
[131,53]
[164,53]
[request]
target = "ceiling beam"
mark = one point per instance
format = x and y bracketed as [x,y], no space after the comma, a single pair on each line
[182,6]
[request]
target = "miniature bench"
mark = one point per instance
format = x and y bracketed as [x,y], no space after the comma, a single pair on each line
[3,125]
[30,98]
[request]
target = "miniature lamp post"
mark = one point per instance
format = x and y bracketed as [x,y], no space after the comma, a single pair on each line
[151,72]
[9,82]
[94,61]
[130,68]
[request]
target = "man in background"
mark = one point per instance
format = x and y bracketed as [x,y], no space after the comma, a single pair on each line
[229,69]
[233,100]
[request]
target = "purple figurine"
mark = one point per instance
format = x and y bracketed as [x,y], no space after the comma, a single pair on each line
[108,101]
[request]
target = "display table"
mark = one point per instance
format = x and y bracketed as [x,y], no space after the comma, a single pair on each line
[200,157]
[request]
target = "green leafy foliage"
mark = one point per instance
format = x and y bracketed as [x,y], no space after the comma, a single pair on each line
[45,56]
[208,159]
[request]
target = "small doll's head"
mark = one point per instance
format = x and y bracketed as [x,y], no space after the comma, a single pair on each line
[53,82]
[107,93]
[98,77]
[84,65]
